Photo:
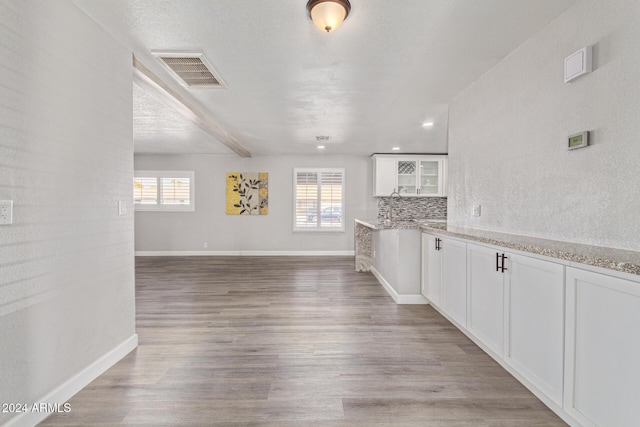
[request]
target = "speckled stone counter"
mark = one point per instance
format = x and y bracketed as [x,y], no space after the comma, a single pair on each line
[597,256]
[374,224]
[364,255]
[364,228]
[613,259]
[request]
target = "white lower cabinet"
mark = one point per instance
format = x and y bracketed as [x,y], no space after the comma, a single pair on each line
[570,335]
[485,296]
[516,309]
[444,275]
[454,279]
[512,305]
[431,285]
[534,322]
[602,371]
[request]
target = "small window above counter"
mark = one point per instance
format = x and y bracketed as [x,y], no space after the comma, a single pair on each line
[410,175]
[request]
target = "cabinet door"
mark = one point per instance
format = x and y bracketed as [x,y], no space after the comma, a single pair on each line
[384,176]
[485,297]
[602,349]
[454,280]
[407,177]
[430,178]
[431,270]
[534,314]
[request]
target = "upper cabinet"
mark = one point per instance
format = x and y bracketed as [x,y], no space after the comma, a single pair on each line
[412,176]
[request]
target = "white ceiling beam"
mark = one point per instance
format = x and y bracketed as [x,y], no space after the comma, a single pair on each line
[147,80]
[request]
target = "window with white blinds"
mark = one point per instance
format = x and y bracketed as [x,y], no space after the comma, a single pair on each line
[318,199]
[163,191]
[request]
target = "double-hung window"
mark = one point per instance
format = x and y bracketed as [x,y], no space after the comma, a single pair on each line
[163,191]
[318,199]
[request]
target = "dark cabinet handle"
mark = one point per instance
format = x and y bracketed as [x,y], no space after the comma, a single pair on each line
[500,266]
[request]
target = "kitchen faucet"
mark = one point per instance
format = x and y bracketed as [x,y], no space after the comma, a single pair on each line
[391,202]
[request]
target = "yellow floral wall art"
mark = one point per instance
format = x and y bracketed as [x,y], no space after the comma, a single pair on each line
[247,193]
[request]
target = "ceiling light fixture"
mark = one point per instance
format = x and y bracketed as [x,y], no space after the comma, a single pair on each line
[320,147]
[427,124]
[328,15]
[395,148]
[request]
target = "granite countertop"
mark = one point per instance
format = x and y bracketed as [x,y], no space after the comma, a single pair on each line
[412,224]
[622,260]
[625,261]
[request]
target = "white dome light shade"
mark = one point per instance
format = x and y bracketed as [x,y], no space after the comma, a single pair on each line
[328,15]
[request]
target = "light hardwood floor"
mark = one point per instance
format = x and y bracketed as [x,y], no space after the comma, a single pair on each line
[294,341]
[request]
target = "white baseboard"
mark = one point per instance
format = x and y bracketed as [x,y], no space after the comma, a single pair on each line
[399,299]
[412,299]
[72,386]
[245,253]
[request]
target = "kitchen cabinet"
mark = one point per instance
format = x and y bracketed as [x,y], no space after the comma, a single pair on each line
[602,375]
[431,278]
[515,308]
[410,176]
[454,280]
[486,295]
[568,334]
[444,276]
[534,322]
[385,180]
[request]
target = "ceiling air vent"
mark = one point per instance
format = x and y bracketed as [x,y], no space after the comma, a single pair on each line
[191,69]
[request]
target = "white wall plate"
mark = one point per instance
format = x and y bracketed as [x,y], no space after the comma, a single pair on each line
[578,64]
[6,212]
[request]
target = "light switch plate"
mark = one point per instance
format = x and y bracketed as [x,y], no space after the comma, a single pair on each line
[6,212]
[477,210]
[122,207]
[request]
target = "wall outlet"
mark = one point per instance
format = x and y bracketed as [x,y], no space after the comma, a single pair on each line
[476,210]
[6,212]
[205,245]
[122,207]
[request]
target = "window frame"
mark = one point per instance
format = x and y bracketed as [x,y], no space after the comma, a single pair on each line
[159,206]
[319,228]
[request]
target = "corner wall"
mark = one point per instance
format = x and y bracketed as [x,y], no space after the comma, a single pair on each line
[187,231]
[66,158]
[508,131]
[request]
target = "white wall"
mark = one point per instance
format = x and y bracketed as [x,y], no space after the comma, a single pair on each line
[169,231]
[66,155]
[508,134]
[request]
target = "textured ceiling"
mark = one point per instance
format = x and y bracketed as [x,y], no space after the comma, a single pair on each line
[368,85]
[160,129]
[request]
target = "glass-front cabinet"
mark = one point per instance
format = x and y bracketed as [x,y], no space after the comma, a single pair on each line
[407,174]
[430,177]
[410,175]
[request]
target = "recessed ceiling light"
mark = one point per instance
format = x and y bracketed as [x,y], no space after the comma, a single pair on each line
[427,124]
[396,148]
[320,147]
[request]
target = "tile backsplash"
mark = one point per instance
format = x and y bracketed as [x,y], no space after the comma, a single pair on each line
[405,208]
